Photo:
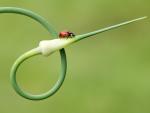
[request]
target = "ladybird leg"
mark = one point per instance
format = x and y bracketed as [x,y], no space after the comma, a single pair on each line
[72,35]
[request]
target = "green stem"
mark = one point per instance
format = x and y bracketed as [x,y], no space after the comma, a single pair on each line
[79,37]
[49,93]
[34,52]
[32,15]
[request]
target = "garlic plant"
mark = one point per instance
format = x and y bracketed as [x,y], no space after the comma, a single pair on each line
[47,47]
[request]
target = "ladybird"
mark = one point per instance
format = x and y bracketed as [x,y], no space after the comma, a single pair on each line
[66,34]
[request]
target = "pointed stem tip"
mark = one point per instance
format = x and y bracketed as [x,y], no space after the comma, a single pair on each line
[79,37]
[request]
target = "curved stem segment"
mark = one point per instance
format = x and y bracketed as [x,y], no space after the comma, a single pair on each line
[52,91]
[34,52]
[30,14]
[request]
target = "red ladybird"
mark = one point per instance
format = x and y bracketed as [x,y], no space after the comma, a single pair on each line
[66,34]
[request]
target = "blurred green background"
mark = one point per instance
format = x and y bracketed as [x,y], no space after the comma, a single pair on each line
[107,73]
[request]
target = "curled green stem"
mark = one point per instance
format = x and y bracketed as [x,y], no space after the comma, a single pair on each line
[47,47]
[34,52]
[49,93]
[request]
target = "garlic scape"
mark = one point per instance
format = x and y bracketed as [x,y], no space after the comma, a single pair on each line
[46,48]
